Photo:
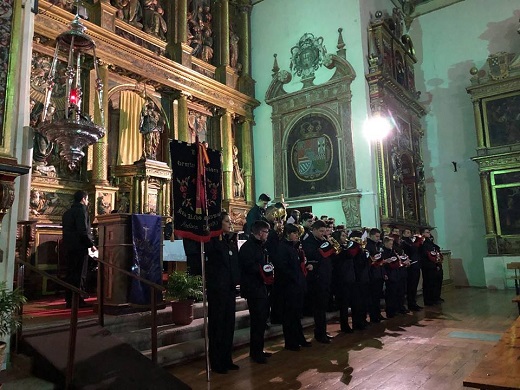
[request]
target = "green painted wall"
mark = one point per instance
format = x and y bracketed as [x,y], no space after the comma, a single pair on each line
[276,28]
[449,42]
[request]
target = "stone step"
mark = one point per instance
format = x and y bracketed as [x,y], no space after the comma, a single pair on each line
[173,334]
[188,350]
[142,320]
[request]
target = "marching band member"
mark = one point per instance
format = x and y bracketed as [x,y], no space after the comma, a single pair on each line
[431,264]
[222,276]
[318,252]
[391,263]
[404,263]
[411,245]
[289,262]
[343,278]
[377,274]
[362,287]
[255,275]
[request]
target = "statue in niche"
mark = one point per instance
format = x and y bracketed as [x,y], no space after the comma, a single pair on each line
[233,48]
[130,11]
[200,30]
[151,127]
[397,174]
[103,207]
[207,46]
[238,180]
[42,148]
[124,204]
[153,19]
[197,123]
[37,203]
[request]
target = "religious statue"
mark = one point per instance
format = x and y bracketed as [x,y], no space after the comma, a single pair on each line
[124,204]
[37,203]
[103,207]
[130,11]
[233,48]
[153,19]
[207,46]
[151,127]
[42,148]
[238,180]
[200,30]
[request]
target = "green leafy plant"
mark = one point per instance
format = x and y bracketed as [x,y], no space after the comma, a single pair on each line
[183,286]
[10,302]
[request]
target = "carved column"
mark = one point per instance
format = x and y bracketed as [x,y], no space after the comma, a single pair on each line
[224,32]
[99,164]
[487,203]
[246,149]
[245,39]
[227,154]
[177,48]
[478,123]
[182,118]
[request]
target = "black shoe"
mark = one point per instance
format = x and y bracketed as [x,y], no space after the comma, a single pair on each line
[233,366]
[259,359]
[267,354]
[382,318]
[329,336]
[293,348]
[306,344]
[415,308]
[83,304]
[323,340]
[404,311]
[440,299]
[219,370]
[375,321]
[390,315]
[346,329]
[68,305]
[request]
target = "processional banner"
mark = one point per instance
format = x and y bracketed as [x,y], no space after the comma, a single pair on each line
[197,191]
[147,246]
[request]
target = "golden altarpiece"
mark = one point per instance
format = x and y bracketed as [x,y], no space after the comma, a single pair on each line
[312,134]
[391,81]
[175,69]
[495,93]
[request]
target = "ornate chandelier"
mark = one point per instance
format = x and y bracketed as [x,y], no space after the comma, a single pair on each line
[69,126]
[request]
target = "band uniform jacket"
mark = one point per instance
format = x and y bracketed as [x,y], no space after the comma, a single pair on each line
[222,270]
[322,267]
[77,235]
[252,256]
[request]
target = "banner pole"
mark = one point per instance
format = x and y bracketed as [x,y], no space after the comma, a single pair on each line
[205,308]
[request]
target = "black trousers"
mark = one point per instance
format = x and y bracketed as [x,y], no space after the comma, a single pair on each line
[292,303]
[361,304]
[345,297]
[221,327]
[430,284]
[412,281]
[376,293]
[320,298]
[392,296]
[77,264]
[258,314]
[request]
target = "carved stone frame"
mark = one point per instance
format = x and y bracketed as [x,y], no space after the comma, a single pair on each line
[330,100]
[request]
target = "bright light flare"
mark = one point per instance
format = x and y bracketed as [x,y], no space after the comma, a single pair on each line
[377,128]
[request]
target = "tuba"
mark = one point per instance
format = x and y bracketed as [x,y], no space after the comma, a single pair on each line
[275,215]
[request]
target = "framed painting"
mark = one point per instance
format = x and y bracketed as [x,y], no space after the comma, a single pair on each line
[502,119]
[506,197]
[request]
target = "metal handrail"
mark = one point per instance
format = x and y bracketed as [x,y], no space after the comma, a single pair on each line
[76,293]
[153,299]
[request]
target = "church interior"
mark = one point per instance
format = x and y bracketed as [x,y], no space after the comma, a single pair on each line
[287,92]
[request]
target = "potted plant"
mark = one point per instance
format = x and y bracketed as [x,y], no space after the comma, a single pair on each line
[10,302]
[183,290]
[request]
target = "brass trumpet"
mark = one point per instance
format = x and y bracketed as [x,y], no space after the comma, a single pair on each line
[335,244]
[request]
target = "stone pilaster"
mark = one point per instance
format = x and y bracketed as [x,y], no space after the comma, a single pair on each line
[227,154]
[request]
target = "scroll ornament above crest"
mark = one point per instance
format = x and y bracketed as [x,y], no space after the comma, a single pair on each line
[307,56]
